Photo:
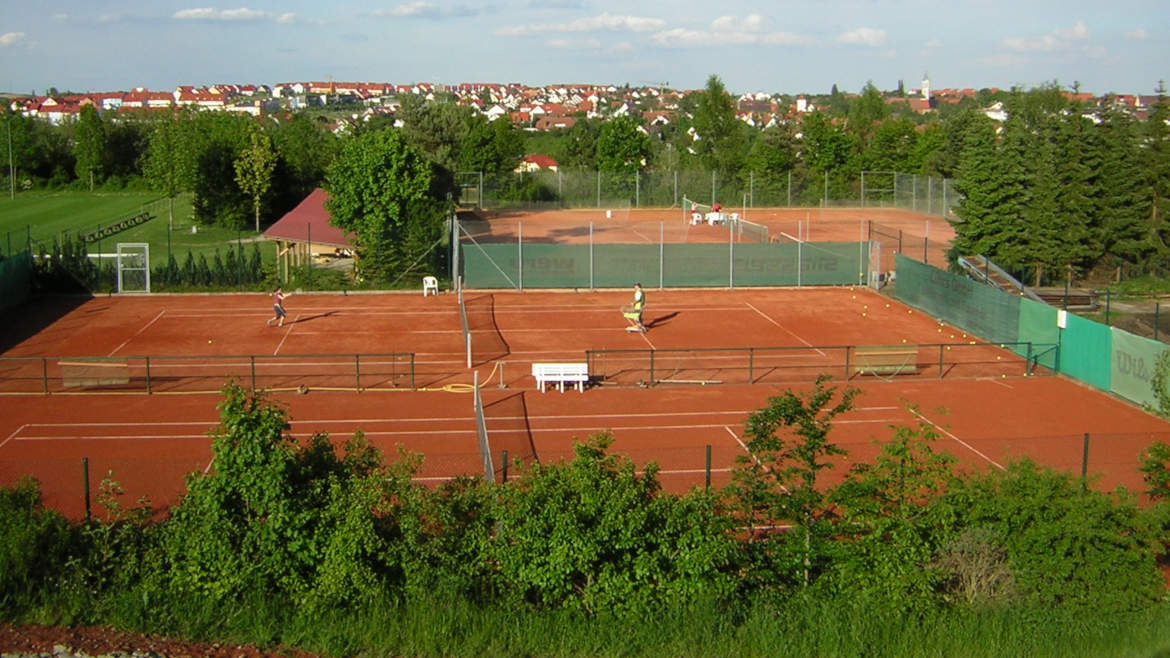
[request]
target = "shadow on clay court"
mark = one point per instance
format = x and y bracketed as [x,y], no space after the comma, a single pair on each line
[508,431]
[38,313]
[661,320]
[312,317]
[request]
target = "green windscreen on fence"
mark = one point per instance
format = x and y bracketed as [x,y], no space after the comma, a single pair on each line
[1038,326]
[15,279]
[976,307]
[1084,351]
[543,265]
[1133,366]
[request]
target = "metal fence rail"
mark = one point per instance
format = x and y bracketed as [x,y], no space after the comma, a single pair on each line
[754,365]
[205,374]
[583,188]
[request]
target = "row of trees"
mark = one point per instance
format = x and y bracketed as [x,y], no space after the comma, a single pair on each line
[1055,192]
[282,520]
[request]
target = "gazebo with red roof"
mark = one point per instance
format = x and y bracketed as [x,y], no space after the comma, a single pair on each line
[305,232]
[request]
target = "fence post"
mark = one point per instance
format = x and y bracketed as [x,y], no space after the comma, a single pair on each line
[148,389]
[357,373]
[1157,305]
[45,374]
[252,366]
[1085,463]
[1107,295]
[707,470]
[940,360]
[651,382]
[85,484]
[504,467]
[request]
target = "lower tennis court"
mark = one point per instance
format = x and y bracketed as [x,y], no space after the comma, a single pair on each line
[395,366]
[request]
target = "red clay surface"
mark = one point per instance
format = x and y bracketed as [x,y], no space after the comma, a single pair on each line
[921,236]
[986,411]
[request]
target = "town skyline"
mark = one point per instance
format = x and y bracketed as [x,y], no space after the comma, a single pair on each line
[1120,47]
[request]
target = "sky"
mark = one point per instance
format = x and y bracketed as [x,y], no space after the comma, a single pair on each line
[782,46]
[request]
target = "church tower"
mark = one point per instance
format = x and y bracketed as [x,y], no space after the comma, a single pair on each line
[926,87]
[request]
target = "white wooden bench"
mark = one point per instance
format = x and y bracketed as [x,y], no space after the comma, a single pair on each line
[576,374]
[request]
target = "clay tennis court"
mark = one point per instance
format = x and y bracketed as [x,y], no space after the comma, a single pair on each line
[982,399]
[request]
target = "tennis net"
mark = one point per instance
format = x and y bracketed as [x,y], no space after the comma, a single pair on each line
[754,365]
[206,374]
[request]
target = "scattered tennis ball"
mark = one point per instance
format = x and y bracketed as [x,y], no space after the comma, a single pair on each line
[972,342]
[863,314]
[208,341]
[952,335]
[903,340]
[948,348]
[998,358]
[887,305]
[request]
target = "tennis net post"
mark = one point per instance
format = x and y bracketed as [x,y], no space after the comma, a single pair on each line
[466,329]
[485,449]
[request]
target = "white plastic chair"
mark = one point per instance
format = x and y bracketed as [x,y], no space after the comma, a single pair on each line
[430,284]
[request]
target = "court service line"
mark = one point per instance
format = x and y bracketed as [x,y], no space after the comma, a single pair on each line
[961,442]
[144,328]
[286,334]
[13,435]
[790,332]
[753,456]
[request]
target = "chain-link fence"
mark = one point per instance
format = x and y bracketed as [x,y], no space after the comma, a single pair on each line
[579,188]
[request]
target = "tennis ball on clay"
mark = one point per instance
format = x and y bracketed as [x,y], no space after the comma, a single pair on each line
[208,341]
[948,348]
[972,342]
[952,335]
[998,358]
[863,315]
[903,340]
[887,305]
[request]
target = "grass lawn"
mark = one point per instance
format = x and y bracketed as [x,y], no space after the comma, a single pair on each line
[46,215]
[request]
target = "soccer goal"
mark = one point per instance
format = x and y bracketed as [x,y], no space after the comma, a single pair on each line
[133,267]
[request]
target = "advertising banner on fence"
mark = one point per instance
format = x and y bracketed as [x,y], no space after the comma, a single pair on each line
[1133,366]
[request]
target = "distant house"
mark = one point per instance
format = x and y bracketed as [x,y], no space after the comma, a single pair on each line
[537,162]
[555,123]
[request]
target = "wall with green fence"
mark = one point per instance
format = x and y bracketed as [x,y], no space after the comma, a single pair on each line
[15,279]
[1108,358]
[541,265]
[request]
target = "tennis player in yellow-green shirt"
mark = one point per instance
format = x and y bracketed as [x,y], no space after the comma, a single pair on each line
[633,310]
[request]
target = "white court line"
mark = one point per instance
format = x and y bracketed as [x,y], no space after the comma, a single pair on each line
[13,435]
[961,442]
[790,332]
[752,455]
[144,328]
[286,334]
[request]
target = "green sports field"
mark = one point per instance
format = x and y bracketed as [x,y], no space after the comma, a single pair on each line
[43,216]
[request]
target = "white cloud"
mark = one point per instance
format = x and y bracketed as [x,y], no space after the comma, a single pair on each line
[212,14]
[750,23]
[1139,34]
[286,18]
[863,36]
[1058,39]
[415,10]
[725,31]
[10,38]
[574,44]
[606,22]
[933,43]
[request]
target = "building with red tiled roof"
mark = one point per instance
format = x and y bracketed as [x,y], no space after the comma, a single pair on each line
[305,231]
[536,162]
